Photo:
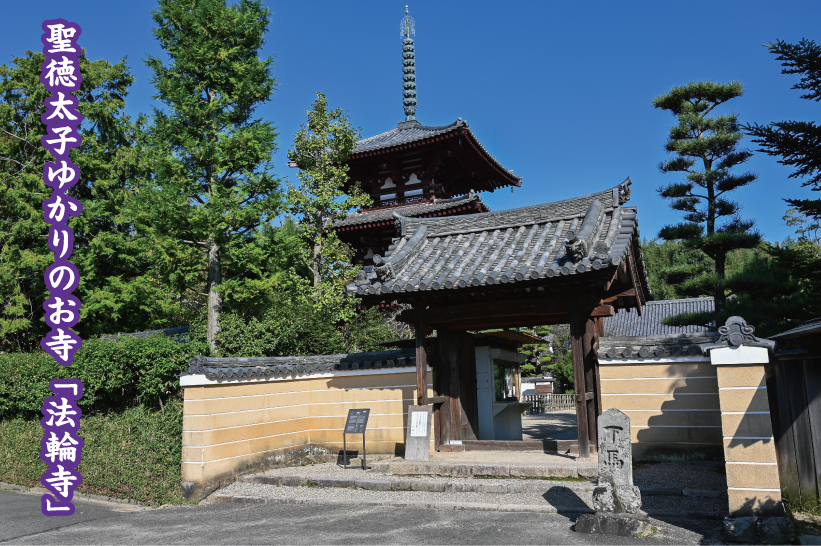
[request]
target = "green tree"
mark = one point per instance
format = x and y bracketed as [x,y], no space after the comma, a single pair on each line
[706,149]
[321,149]
[117,286]
[552,355]
[669,263]
[798,145]
[212,186]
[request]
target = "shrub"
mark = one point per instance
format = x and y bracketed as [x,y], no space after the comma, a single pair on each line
[298,329]
[135,453]
[115,374]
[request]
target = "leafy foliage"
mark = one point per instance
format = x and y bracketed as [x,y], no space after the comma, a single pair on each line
[798,145]
[119,284]
[706,149]
[115,374]
[321,149]
[553,355]
[132,454]
[211,186]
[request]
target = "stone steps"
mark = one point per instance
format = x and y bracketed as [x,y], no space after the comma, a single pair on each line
[393,483]
[468,469]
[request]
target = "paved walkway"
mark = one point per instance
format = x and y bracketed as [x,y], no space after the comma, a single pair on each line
[554,425]
[22,523]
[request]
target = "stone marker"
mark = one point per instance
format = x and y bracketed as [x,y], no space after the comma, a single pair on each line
[417,437]
[616,500]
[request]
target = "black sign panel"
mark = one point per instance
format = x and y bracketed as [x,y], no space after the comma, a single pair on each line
[357,421]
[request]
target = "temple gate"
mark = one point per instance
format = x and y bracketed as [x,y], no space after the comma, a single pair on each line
[573,261]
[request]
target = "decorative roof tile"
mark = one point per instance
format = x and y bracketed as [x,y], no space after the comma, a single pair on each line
[567,237]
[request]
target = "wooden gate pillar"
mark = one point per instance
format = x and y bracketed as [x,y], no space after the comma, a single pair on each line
[577,332]
[421,361]
[455,382]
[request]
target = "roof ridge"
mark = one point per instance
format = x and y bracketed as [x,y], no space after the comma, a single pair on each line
[521,209]
[699,298]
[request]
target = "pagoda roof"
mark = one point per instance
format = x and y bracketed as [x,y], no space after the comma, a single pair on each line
[413,134]
[577,236]
[365,217]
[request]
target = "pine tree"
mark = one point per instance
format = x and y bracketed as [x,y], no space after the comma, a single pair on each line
[212,186]
[706,149]
[797,143]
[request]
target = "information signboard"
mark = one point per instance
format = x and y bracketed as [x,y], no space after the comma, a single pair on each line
[357,421]
[356,424]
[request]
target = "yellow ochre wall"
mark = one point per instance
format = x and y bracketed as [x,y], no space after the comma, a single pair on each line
[673,406]
[238,425]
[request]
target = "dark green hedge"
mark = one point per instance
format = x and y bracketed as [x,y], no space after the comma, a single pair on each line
[135,453]
[115,374]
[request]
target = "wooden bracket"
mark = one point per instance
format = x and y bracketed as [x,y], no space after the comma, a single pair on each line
[631,292]
[603,311]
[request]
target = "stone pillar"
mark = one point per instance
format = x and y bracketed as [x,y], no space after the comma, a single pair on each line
[616,500]
[753,485]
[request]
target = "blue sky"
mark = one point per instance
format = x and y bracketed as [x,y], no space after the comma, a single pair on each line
[559,92]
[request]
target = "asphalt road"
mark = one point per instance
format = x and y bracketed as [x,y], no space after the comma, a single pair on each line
[102,523]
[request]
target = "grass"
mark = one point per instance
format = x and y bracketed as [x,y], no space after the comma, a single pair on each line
[647,535]
[133,454]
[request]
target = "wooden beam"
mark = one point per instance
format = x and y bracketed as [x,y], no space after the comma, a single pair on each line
[630,292]
[421,361]
[509,322]
[577,351]
[603,311]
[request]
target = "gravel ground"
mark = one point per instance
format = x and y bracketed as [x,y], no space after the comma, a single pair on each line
[332,470]
[674,475]
[556,496]
[562,493]
[680,476]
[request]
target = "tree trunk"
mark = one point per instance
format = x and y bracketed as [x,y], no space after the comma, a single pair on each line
[317,257]
[718,293]
[214,297]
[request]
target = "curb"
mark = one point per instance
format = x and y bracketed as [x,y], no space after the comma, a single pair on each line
[82,496]
[433,486]
[478,506]
[465,470]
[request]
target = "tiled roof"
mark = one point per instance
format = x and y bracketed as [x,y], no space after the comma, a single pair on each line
[562,238]
[628,323]
[170,332]
[807,328]
[404,134]
[412,210]
[272,366]
[408,132]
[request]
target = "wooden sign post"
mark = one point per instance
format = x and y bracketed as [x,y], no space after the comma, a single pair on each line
[356,424]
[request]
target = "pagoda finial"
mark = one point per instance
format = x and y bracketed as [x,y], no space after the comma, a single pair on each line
[407,30]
